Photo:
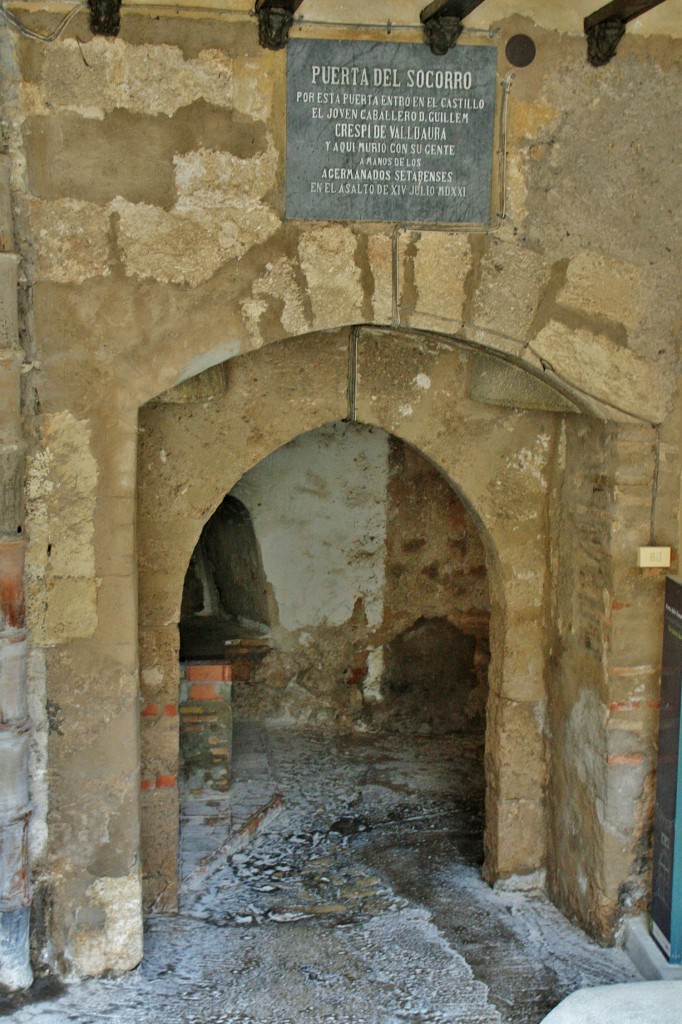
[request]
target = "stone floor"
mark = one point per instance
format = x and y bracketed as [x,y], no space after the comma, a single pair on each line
[339,883]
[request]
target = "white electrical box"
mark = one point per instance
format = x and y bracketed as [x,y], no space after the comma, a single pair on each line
[653,558]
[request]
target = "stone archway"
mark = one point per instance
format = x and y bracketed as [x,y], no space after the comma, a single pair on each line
[418,389]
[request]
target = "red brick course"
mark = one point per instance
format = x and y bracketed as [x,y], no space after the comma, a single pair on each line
[219,672]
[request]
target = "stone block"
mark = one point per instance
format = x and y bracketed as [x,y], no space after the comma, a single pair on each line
[441,263]
[601,286]
[115,536]
[159,597]
[96,160]
[515,749]
[159,746]
[641,682]
[528,119]
[626,777]
[109,939]
[523,669]
[618,863]
[10,415]
[128,154]
[501,383]
[160,809]
[636,630]
[9,328]
[116,609]
[145,79]
[593,363]
[186,246]
[515,838]
[71,611]
[380,255]
[159,668]
[328,260]
[509,291]
[160,895]
[278,303]
[11,489]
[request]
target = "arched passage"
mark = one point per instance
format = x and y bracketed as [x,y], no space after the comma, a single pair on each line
[419,391]
[373,581]
[369,608]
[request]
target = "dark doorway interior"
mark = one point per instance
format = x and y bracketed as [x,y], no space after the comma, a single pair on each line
[224,596]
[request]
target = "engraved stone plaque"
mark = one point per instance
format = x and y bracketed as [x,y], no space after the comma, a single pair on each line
[389,132]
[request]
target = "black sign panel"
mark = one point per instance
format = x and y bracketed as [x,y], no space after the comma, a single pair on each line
[389,132]
[666,900]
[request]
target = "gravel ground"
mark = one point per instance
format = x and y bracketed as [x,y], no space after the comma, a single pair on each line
[356,900]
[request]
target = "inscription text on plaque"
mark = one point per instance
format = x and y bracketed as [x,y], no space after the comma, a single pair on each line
[389,132]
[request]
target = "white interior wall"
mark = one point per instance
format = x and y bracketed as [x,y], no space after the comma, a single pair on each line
[318,507]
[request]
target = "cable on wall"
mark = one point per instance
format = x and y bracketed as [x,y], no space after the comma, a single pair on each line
[353,374]
[52,36]
[506,89]
[654,485]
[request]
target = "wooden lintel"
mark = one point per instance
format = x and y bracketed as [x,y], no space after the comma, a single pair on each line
[620,10]
[449,9]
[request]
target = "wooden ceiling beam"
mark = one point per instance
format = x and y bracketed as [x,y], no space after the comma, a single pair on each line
[605,27]
[621,10]
[453,8]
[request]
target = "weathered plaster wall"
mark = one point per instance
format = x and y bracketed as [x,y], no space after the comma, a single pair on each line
[319,511]
[147,178]
[192,215]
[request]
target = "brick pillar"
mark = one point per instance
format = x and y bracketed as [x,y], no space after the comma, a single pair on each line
[15,896]
[206,726]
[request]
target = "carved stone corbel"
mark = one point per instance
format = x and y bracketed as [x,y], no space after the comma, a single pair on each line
[606,27]
[443,23]
[441,33]
[602,41]
[105,17]
[275,18]
[273,27]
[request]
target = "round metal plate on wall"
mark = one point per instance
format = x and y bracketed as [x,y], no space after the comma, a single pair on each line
[520,51]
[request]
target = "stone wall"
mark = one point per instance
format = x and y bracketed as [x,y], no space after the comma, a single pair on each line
[147,190]
[605,675]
